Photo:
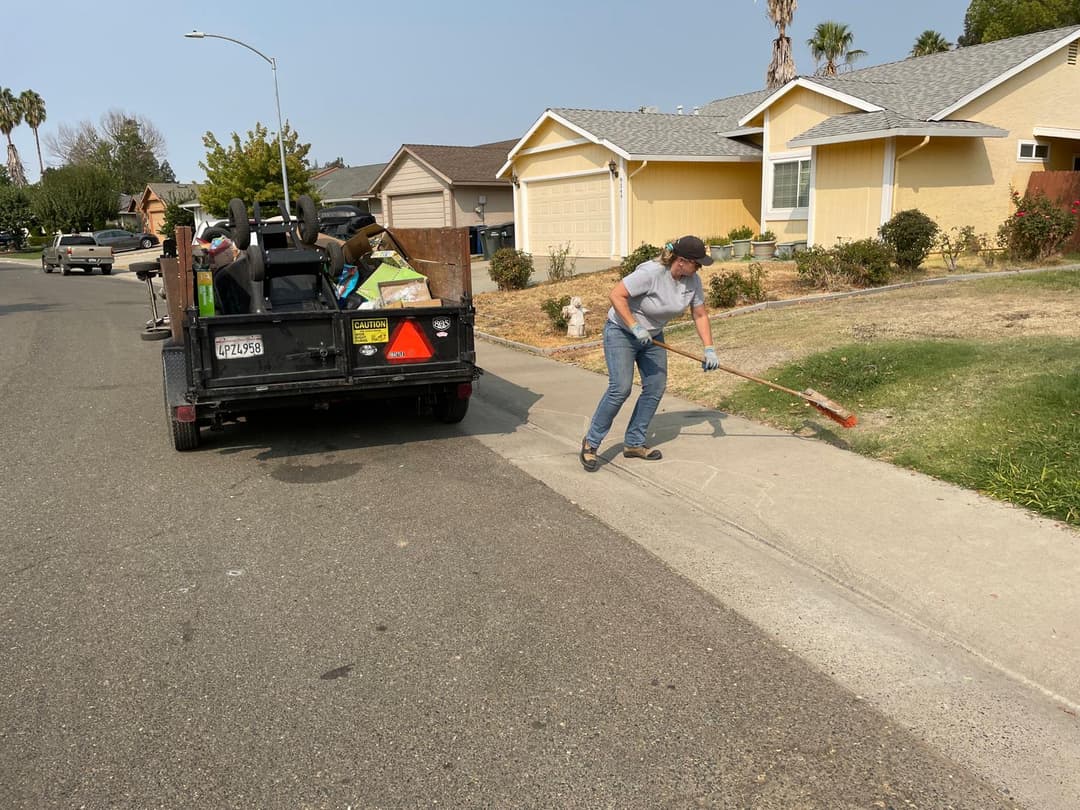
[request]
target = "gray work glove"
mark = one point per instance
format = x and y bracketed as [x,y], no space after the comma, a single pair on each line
[711,362]
[642,334]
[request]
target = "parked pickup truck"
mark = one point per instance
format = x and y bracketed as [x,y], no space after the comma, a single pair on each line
[76,250]
[278,332]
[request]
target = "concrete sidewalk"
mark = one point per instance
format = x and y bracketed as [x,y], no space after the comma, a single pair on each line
[913,592]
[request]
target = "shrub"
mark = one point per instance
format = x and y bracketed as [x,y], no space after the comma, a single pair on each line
[511,269]
[728,288]
[1037,228]
[553,307]
[717,240]
[911,235]
[817,267]
[742,232]
[955,242]
[560,263]
[643,253]
[765,236]
[865,263]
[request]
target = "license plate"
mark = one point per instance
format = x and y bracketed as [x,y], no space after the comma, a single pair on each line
[234,347]
[92,260]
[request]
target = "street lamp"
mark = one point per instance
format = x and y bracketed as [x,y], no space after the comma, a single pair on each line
[277,99]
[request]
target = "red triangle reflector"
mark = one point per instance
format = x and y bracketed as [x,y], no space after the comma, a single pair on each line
[408,344]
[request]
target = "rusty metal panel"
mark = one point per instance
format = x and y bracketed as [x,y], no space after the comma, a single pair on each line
[1063,188]
[441,254]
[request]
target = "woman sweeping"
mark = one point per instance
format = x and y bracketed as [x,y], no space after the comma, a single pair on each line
[641,305]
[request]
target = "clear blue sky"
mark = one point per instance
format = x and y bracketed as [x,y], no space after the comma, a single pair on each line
[359,79]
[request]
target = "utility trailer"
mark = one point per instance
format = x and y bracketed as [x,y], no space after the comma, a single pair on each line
[280,336]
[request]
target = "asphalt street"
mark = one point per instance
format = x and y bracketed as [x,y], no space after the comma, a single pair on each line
[365,609]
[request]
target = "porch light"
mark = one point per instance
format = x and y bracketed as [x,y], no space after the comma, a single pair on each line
[515,180]
[613,167]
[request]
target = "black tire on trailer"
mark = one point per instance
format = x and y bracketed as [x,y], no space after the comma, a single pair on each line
[146,243]
[238,223]
[155,333]
[210,234]
[450,409]
[308,218]
[337,258]
[185,435]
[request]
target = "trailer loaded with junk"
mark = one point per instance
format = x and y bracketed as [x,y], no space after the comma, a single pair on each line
[280,315]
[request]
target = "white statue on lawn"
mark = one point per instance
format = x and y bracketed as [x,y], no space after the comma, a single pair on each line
[575,318]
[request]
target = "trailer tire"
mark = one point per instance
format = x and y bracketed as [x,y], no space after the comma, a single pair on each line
[450,409]
[185,435]
[238,223]
[210,234]
[337,258]
[308,219]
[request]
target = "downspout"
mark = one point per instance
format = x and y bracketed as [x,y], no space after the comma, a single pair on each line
[644,163]
[896,171]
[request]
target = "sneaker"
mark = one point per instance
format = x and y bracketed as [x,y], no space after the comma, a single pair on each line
[588,457]
[642,451]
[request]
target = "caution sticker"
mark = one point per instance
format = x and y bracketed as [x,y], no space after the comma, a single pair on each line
[370,330]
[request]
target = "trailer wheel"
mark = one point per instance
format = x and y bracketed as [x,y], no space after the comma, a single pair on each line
[238,223]
[309,219]
[337,258]
[210,234]
[185,435]
[450,409]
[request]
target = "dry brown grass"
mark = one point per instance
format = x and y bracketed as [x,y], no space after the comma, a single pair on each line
[757,342]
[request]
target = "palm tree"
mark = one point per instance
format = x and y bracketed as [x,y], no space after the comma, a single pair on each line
[10,117]
[33,110]
[831,43]
[782,67]
[930,42]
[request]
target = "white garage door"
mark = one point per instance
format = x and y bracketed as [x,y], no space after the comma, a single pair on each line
[417,211]
[575,210]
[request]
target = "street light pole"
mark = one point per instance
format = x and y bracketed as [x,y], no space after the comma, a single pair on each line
[277,100]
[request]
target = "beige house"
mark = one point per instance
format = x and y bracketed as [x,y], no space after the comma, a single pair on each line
[819,159]
[427,186]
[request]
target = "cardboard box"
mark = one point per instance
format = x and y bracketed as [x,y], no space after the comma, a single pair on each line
[407,290]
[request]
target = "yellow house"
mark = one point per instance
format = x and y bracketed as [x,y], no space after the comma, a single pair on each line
[820,159]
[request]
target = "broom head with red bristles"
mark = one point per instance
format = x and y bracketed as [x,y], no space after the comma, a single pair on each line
[833,410]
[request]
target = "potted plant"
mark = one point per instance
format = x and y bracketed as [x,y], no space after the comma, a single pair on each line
[719,248]
[763,246]
[740,240]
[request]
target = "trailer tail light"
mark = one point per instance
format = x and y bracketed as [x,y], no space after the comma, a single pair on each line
[408,344]
[185,413]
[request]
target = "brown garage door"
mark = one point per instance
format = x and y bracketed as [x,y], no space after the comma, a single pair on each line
[575,210]
[417,211]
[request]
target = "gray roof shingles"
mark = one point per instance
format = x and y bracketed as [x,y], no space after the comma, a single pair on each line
[348,183]
[909,93]
[465,165]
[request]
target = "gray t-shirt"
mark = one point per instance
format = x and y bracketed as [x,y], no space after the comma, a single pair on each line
[656,296]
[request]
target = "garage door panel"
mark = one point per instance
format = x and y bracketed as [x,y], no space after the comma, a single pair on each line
[417,211]
[575,210]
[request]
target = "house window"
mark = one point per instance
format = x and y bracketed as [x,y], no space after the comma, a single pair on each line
[791,184]
[1032,152]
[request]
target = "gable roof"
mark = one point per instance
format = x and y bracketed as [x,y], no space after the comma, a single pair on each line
[887,124]
[347,183]
[181,192]
[456,165]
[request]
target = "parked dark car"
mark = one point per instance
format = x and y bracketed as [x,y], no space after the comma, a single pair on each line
[7,239]
[343,221]
[125,240]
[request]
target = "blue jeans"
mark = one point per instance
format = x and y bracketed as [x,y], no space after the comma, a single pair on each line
[622,352]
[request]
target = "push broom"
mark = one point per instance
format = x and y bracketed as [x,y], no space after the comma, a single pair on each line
[831,409]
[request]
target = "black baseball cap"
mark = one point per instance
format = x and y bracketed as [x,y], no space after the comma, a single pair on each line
[692,248]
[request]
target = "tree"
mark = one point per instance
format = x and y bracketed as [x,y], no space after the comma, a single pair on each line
[930,42]
[167,173]
[251,170]
[129,147]
[15,212]
[990,20]
[33,108]
[10,117]
[831,43]
[175,215]
[75,198]
[781,69]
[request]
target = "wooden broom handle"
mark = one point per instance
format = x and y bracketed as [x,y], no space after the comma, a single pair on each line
[734,371]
